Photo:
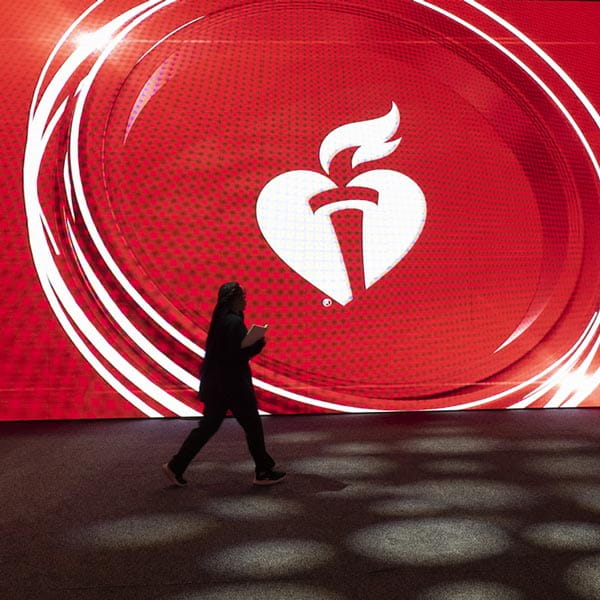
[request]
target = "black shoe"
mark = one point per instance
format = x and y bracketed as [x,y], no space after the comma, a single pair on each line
[269,477]
[173,477]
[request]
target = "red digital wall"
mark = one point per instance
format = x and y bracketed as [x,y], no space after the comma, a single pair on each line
[408,191]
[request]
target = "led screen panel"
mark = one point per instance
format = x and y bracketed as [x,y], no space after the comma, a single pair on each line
[408,191]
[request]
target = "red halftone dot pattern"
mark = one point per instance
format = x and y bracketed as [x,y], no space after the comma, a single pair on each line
[253,94]
[186,125]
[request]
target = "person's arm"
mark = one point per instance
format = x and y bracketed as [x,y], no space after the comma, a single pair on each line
[234,333]
[254,349]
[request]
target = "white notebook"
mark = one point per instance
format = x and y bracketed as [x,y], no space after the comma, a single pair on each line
[255,333]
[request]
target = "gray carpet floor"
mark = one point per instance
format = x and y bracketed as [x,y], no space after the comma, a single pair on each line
[498,505]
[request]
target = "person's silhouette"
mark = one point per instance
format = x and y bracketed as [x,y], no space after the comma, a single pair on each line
[226,383]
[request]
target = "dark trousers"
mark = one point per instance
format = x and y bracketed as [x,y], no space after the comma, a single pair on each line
[246,415]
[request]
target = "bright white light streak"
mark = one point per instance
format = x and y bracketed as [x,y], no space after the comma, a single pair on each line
[126,325]
[110,379]
[584,390]
[543,55]
[131,122]
[581,137]
[40,112]
[83,90]
[83,323]
[52,125]
[569,385]
[67,181]
[592,325]
[40,115]
[582,380]
[540,83]
[54,287]
[580,347]
[95,40]
[49,233]
[312,401]
[54,52]
[166,37]
[38,136]
[561,368]
[525,68]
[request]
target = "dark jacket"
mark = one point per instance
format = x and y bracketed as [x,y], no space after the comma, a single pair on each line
[225,374]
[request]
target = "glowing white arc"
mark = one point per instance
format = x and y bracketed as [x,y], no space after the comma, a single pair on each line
[43,121]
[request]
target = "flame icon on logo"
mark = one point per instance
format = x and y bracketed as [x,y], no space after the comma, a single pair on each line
[369,137]
[305,239]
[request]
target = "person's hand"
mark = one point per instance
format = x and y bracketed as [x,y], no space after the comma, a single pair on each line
[259,345]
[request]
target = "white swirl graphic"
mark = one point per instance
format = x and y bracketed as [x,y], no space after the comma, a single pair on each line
[60,99]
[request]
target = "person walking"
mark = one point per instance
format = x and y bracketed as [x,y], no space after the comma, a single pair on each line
[226,384]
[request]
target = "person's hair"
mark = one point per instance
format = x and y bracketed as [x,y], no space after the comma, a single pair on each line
[227,292]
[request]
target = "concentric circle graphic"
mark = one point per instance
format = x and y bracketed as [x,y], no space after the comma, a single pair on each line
[410,204]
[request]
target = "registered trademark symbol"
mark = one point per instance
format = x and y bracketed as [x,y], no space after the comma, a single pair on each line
[327,302]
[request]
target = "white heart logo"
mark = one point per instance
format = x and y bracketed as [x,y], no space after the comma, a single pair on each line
[306,241]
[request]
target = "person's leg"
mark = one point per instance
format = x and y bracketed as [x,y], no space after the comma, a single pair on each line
[247,416]
[214,414]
